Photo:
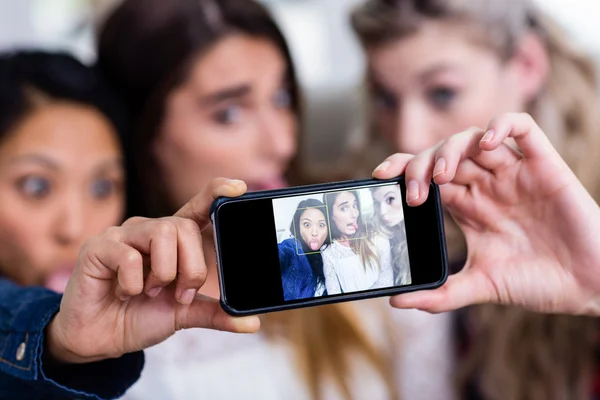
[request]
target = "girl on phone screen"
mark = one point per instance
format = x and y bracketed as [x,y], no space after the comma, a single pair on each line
[354,261]
[300,256]
[389,219]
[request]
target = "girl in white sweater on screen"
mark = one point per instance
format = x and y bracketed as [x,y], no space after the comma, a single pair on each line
[356,259]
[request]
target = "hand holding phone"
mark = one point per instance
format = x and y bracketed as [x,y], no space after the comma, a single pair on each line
[320,244]
[531,227]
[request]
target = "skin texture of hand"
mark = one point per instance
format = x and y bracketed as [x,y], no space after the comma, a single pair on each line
[532,230]
[136,285]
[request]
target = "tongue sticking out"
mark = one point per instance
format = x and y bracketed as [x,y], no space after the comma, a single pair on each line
[314,245]
[355,226]
[58,279]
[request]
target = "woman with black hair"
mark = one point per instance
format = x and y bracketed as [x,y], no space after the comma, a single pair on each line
[300,256]
[61,165]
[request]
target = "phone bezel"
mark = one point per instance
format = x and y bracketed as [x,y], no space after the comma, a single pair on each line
[434,197]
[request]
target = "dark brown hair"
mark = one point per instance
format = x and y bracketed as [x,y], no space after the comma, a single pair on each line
[146,49]
[518,354]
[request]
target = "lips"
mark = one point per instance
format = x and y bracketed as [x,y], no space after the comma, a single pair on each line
[57,280]
[353,226]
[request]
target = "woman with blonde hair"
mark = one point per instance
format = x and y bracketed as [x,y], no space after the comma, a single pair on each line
[436,67]
[389,221]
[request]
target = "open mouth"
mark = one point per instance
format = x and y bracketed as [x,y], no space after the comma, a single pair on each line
[352,227]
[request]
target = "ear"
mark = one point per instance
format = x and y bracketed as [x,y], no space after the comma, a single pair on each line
[531,66]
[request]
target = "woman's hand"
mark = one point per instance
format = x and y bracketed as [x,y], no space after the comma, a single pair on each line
[532,230]
[135,285]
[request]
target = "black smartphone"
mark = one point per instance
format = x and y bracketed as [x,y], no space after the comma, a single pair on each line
[319,244]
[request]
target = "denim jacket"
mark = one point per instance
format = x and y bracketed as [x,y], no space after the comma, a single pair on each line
[25,373]
[297,276]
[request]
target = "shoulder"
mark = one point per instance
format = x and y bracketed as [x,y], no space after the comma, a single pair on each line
[381,241]
[288,245]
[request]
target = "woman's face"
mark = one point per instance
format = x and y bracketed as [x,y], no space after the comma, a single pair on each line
[61,181]
[345,213]
[435,83]
[388,203]
[231,118]
[313,228]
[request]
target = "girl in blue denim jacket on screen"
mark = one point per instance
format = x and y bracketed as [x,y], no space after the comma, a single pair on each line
[300,256]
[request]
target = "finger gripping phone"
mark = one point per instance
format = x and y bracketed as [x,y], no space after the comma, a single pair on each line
[319,244]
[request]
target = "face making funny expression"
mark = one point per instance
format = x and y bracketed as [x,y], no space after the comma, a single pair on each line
[388,204]
[346,213]
[313,228]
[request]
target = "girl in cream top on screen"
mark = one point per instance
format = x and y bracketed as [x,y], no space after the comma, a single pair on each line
[354,261]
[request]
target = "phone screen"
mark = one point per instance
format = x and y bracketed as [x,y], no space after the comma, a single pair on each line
[341,241]
[301,247]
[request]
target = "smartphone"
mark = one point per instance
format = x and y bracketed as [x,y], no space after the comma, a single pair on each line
[312,245]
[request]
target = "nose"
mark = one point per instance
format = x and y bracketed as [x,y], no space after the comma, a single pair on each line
[70,221]
[279,140]
[313,231]
[414,130]
[383,209]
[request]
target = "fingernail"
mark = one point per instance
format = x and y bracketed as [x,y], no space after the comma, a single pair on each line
[188,296]
[489,136]
[154,291]
[234,182]
[383,166]
[412,191]
[440,167]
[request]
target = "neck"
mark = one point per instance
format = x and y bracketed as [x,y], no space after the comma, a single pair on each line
[344,241]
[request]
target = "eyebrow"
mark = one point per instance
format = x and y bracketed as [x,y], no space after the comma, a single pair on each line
[227,94]
[390,192]
[51,164]
[37,159]
[436,69]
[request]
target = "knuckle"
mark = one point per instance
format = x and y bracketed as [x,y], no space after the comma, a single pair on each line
[164,228]
[188,225]
[134,220]
[131,258]
[196,275]
[163,275]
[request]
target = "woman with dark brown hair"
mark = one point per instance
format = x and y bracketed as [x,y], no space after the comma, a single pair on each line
[211,89]
[436,67]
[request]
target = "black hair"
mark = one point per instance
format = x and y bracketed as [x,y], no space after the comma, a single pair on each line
[314,258]
[56,76]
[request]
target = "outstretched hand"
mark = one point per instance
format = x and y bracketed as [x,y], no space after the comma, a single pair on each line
[136,285]
[532,230]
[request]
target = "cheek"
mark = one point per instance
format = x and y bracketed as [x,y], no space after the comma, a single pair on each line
[23,243]
[104,216]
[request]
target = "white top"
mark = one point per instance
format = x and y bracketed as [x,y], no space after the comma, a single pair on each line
[345,272]
[203,364]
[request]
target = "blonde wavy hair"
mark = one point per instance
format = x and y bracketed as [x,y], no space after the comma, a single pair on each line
[517,354]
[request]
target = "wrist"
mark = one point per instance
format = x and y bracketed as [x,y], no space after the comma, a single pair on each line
[56,348]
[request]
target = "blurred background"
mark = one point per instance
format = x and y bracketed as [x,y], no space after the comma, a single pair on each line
[327,56]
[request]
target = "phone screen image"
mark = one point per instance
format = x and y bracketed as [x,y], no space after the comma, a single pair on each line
[342,241]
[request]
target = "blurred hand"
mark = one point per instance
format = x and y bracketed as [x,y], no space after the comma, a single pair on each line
[136,285]
[532,230]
